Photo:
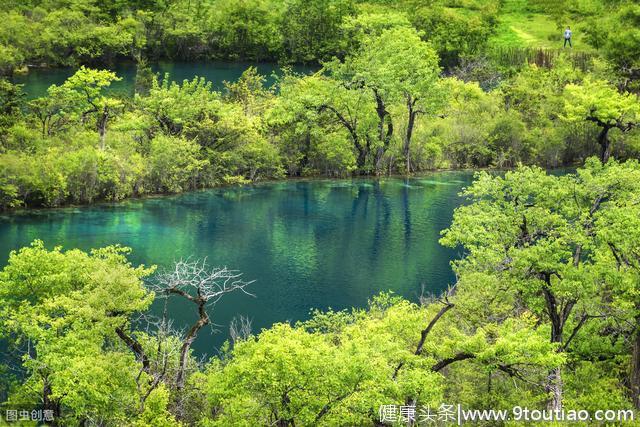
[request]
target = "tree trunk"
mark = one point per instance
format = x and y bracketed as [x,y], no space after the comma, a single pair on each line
[102,126]
[48,404]
[102,138]
[188,340]
[554,387]
[605,144]
[553,384]
[407,139]
[384,138]
[304,161]
[361,161]
[135,347]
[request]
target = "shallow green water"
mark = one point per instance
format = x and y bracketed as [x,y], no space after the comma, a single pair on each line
[308,244]
[38,80]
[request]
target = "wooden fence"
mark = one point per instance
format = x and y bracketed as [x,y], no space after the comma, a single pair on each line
[516,56]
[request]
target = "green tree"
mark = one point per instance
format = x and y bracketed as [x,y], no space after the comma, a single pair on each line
[32,180]
[144,77]
[312,30]
[454,32]
[309,140]
[80,97]
[246,29]
[65,314]
[175,164]
[537,238]
[372,23]
[623,40]
[89,85]
[339,367]
[396,66]
[598,102]
[463,133]
[249,91]
[319,103]
[345,360]
[189,109]
[12,102]
[56,111]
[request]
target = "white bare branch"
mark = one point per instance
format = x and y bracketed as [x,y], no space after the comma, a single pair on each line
[240,328]
[196,281]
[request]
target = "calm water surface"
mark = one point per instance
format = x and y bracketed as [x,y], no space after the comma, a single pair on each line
[308,244]
[38,80]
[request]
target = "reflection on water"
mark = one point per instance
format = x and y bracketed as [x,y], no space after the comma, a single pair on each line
[308,244]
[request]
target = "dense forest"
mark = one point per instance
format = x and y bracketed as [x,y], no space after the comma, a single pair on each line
[402,88]
[545,310]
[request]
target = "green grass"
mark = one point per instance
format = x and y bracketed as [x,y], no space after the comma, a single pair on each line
[519,27]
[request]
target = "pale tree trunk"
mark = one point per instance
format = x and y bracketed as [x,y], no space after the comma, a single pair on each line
[554,387]
[557,317]
[554,384]
[102,126]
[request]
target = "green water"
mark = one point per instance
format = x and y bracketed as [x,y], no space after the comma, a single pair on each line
[307,244]
[38,80]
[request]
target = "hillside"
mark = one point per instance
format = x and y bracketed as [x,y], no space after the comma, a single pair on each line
[519,25]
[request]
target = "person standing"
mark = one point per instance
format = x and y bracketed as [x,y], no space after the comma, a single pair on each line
[567,37]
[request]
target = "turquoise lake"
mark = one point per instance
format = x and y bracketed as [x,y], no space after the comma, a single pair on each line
[38,80]
[307,244]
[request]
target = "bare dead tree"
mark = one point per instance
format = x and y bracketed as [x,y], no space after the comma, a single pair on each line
[160,363]
[240,329]
[202,285]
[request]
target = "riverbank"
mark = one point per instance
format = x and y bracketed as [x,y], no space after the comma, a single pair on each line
[142,197]
[81,144]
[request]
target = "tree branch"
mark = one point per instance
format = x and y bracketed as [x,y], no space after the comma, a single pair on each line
[135,347]
[448,361]
[425,332]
